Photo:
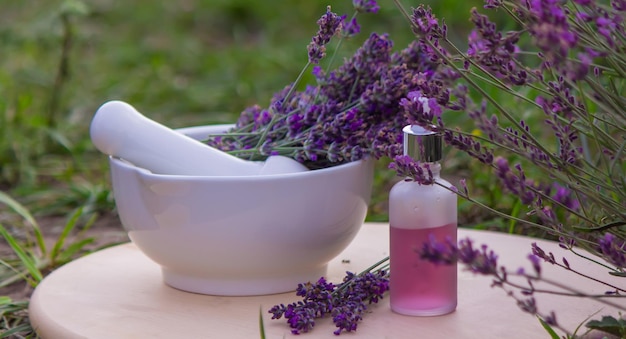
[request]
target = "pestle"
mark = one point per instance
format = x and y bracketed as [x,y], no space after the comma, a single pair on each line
[117,129]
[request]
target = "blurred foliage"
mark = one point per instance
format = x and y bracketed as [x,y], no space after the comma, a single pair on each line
[181,63]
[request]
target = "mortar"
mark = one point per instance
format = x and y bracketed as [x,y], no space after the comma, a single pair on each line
[241,235]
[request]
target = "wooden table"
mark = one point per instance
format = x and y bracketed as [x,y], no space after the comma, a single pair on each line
[118,293]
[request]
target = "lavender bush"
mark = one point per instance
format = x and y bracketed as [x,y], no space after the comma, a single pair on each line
[565,61]
[547,100]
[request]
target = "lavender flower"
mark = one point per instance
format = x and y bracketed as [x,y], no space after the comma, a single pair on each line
[551,30]
[619,5]
[426,24]
[329,24]
[350,28]
[565,196]
[439,253]
[491,4]
[352,113]
[482,261]
[614,250]
[493,51]
[536,263]
[345,303]
[365,6]
[420,109]
[468,144]
[528,305]
[406,167]
[515,183]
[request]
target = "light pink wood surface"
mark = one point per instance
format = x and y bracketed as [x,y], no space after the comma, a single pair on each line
[118,293]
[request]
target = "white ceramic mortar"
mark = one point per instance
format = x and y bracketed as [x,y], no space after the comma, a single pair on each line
[242,235]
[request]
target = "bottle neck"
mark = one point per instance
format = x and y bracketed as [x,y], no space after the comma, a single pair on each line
[435,169]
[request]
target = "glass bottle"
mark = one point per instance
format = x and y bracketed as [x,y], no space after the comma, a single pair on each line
[416,213]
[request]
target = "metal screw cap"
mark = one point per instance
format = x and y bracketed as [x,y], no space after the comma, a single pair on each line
[422,143]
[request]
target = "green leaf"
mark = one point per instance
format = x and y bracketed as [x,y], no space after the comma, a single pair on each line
[514,212]
[26,259]
[24,213]
[549,329]
[60,139]
[7,277]
[72,249]
[609,324]
[69,226]
[602,227]
[16,330]
[4,300]
[13,307]
[261,324]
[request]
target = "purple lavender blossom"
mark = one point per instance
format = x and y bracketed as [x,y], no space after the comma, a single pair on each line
[607,27]
[329,24]
[538,252]
[619,5]
[565,196]
[482,261]
[528,305]
[350,28]
[439,253]
[493,51]
[425,23]
[353,112]
[614,250]
[559,103]
[488,125]
[406,167]
[415,59]
[420,109]
[468,144]
[365,6]
[345,303]
[491,4]
[430,33]
[515,183]
[536,263]
[561,107]
[381,97]
[551,31]
[364,67]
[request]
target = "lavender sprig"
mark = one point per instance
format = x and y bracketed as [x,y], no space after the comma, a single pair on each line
[329,24]
[352,112]
[345,303]
[484,261]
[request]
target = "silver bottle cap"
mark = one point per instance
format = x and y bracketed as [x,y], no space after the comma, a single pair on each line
[422,144]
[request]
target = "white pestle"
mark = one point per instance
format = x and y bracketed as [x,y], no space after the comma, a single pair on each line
[117,129]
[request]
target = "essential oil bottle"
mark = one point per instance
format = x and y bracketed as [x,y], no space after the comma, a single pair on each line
[416,213]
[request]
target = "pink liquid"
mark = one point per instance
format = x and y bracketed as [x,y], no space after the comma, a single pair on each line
[418,287]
